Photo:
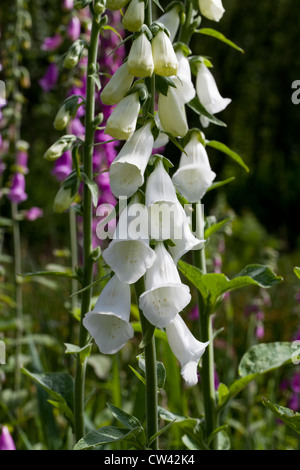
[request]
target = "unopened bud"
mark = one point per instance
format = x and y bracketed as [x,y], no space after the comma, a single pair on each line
[59,147]
[74,53]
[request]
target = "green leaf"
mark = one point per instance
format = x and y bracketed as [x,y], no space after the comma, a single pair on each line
[160,371]
[162,84]
[213,286]
[138,375]
[289,417]
[83,352]
[223,148]
[215,227]
[219,184]
[67,274]
[159,433]
[217,35]
[264,357]
[59,386]
[159,5]
[129,421]
[297,271]
[223,393]
[198,108]
[105,435]
[93,187]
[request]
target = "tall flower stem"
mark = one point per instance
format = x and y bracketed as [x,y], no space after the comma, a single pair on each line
[206,333]
[150,373]
[87,223]
[149,349]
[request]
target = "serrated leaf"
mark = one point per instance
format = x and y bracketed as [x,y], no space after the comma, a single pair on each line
[289,417]
[264,357]
[129,421]
[217,35]
[59,386]
[198,108]
[223,148]
[213,286]
[105,435]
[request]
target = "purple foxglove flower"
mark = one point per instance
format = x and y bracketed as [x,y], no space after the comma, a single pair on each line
[49,80]
[33,214]
[74,28]
[22,157]
[17,191]
[52,43]
[2,166]
[63,166]
[67,4]
[6,441]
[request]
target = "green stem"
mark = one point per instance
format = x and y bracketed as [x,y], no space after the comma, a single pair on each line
[149,349]
[206,334]
[18,292]
[87,225]
[150,374]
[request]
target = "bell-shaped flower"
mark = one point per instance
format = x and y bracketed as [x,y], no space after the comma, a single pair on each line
[122,121]
[108,323]
[164,57]
[211,9]
[194,175]
[116,4]
[165,212]
[126,172]
[134,16]
[17,192]
[165,295]
[186,348]
[186,241]
[129,254]
[171,20]
[208,93]
[171,111]
[140,60]
[6,440]
[118,86]
[185,85]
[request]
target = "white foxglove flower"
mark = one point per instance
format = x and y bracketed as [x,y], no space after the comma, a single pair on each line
[186,348]
[211,9]
[185,85]
[108,323]
[186,242]
[126,173]
[165,212]
[129,254]
[171,111]
[134,16]
[118,86]
[164,57]
[209,94]
[140,60]
[171,21]
[165,294]
[194,175]
[122,121]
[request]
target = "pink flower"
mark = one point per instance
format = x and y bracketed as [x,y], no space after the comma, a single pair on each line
[48,81]
[74,28]
[17,191]
[6,441]
[33,214]
[52,43]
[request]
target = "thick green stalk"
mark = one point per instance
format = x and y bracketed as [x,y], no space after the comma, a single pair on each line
[206,334]
[149,349]
[87,224]
[150,374]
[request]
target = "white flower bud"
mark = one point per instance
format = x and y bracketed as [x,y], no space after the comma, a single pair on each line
[121,123]
[164,57]
[118,86]
[134,16]
[211,9]
[140,60]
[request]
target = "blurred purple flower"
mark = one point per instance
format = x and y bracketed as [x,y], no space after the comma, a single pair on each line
[33,214]
[260,331]
[17,191]
[194,313]
[67,4]
[63,166]
[52,43]
[48,81]
[22,157]
[2,166]
[6,441]
[74,28]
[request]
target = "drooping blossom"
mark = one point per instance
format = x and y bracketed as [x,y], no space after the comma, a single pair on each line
[49,80]
[211,9]
[17,192]
[6,440]
[108,323]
